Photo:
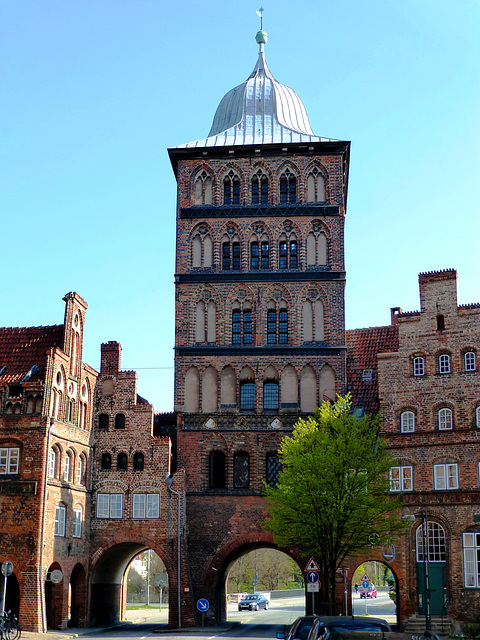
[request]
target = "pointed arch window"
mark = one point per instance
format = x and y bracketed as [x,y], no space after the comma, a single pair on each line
[272,470]
[270,394]
[315,186]
[231,254]
[277,324]
[241,470]
[242,325]
[231,189]
[288,254]
[288,187]
[259,188]
[202,189]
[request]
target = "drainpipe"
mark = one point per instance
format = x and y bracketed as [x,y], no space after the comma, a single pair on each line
[169,481]
[42,536]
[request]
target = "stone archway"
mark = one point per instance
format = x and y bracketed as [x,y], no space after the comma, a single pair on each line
[77,597]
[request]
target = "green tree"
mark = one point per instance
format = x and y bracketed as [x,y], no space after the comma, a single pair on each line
[333,491]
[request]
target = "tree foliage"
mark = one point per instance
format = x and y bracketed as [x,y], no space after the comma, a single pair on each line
[332,499]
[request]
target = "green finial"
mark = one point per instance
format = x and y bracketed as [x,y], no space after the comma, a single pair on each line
[261,37]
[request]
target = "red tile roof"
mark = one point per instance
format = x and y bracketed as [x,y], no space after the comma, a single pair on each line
[23,347]
[363,345]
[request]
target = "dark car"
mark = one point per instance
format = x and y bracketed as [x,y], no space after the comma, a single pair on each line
[253,602]
[326,627]
[299,629]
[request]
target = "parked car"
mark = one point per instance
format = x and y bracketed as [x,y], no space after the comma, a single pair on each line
[326,627]
[299,629]
[253,602]
[370,592]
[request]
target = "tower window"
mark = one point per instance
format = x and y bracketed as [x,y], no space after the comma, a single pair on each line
[444,363]
[247,395]
[254,256]
[265,255]
[270,394]
[217,470]
[271,327]
[469,359]
[106,463]
[231,189]
[120,421]
[226,256]
[277,335]
[440,322]
[259,188]
[122,462]
[241,471]
[288,187]
[272,469]
[419,366]
[138,461]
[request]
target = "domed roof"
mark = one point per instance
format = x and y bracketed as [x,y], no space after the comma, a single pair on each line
[259,111]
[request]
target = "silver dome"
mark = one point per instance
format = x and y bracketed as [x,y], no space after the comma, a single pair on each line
[259,111]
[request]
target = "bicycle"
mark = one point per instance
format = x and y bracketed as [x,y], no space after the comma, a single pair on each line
[9,627]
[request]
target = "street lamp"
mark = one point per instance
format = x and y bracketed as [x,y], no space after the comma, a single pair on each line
[426,568]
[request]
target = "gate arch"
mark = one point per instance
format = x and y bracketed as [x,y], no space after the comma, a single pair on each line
[107,582]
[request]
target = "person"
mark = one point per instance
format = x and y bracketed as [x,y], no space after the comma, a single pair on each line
[356,588]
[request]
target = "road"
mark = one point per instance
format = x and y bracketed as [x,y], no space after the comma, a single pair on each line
[257,625]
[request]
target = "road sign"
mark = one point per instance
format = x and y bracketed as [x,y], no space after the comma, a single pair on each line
[56,576]
[7,568]
[365,577]
[203,604]
[389,552]
[313,587]
[312,566]
[365,584]
[312,577]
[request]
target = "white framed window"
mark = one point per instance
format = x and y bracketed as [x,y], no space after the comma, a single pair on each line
[444,363]
[80,470]
[436,542]
[146,505]
[445,476]
[469,359]
[66,468]
[109,505]
[401,478]
[51,463]
[445,419]
[60,516]
[419,366]
[9,459]
[471,560]
[77,522]
[407,422]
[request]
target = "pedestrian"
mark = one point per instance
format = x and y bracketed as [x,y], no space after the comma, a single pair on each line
[356,588]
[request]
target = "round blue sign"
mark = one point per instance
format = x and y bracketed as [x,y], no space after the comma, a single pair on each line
[203,604]
[312,577]
[365,584]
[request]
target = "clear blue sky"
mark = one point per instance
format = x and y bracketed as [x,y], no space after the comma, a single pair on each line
[93,92]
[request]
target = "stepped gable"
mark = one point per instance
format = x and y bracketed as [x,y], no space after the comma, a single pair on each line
[363,345]
[22,348]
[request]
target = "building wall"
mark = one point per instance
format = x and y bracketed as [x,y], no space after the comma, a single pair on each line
[429,445]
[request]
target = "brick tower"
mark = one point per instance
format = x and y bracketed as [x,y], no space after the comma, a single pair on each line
[260,337]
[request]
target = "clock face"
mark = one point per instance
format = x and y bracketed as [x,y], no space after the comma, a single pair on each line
[275,423]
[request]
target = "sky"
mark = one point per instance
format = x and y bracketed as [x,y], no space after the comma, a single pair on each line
[93,92]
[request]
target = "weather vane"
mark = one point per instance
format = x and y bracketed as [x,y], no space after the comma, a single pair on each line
[260,13]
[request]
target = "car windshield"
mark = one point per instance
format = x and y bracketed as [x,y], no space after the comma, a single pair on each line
[251,598]
[303,629]
[356,627]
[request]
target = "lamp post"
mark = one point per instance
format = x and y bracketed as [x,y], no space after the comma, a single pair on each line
[426,568]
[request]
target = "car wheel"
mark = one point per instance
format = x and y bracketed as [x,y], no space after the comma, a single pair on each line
[266,606]
[256,607]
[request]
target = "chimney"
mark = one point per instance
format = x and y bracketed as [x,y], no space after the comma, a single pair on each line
[394,313]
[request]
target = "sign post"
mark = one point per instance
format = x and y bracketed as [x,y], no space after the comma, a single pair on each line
[203,605]
[365,585]
[313,583]
[7,570]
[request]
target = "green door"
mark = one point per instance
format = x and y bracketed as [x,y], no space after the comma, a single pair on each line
[437,588]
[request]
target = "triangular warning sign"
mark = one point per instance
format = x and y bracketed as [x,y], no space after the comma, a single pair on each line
[312,566]
[365,577]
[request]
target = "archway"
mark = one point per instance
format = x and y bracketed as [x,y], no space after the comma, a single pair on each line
[54,599]
[77,598]
[374,591]
[110,587]
[267,571]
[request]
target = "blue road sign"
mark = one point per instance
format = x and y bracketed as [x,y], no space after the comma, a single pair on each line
[366,584]
[203,604]
[312,577]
